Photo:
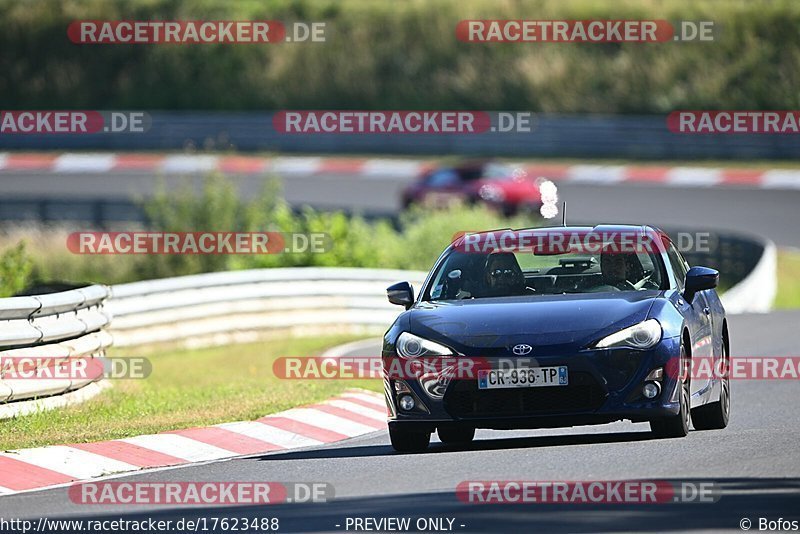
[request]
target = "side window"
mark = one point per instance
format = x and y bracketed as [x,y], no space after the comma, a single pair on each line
[443,178]
[679,266]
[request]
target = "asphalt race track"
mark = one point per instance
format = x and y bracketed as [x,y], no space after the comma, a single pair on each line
[755,462]
[768,212]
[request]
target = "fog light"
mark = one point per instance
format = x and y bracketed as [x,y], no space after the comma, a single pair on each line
[406,402]
[651,390]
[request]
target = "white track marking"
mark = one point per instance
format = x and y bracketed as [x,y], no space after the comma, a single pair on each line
[693,176]
[296,165]
[71,462]
[781,179]
[328,421]
[180,447]
[378,415]
[72,163]
[270,434]
[386,168]
[601,174]
[378,401]
[178,164]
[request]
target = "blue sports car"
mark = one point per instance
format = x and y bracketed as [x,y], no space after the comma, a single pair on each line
[554,327]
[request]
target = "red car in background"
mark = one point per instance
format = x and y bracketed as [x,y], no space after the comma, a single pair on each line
[497,185]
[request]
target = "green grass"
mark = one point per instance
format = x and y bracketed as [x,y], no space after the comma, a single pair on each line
[186,388]
[788,279]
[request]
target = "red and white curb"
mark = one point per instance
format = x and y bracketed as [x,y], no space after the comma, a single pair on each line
[380,168]
[353,413]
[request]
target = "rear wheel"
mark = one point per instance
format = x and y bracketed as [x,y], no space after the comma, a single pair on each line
[455,435]
[677,426]
[508,210]
[715,415]
[405,441]
[530,209]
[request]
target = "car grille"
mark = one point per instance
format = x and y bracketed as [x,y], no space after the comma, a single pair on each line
[583,393]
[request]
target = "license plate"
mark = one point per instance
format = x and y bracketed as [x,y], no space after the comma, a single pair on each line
[533,377]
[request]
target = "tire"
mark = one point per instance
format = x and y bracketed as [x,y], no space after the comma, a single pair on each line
[715,415]
[676,426]
[508,210]
[529,209]
[455,435]
[404,441]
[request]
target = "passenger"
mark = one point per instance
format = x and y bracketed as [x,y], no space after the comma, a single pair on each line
[620,270]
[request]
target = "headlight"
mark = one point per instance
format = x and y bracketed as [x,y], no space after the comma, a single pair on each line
[411,346]
[639,336]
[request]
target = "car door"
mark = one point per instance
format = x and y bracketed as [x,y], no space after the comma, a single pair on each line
[442,188]
[698,319]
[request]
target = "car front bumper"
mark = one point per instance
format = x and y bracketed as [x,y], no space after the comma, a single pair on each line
[604,386]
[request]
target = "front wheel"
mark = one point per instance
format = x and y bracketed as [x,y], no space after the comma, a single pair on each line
[715,415]
[455,435]
[676,426]
[405,441]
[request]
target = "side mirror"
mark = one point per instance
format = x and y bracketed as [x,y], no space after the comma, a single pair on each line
[699,279]
[401,293]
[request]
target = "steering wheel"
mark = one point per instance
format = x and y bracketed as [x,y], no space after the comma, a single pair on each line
[644,281]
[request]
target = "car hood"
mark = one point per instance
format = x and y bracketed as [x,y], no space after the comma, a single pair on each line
[550,324]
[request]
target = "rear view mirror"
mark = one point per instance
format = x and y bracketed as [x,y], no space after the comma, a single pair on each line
[699,279]
[401,293]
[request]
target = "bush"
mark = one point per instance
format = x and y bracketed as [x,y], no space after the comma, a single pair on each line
[16,267]
[413,242]
[217,207]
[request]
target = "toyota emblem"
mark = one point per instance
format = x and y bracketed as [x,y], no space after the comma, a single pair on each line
[522,349]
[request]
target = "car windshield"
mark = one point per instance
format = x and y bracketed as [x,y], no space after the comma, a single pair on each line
[498,171]
[469,275]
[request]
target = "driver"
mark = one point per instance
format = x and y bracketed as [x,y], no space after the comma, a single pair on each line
[503,275]
[618,268]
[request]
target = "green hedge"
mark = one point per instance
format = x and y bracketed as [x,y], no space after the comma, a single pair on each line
[403,55]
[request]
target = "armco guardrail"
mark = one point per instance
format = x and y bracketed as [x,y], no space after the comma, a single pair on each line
[551,135]
[52,328]
[221,308]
